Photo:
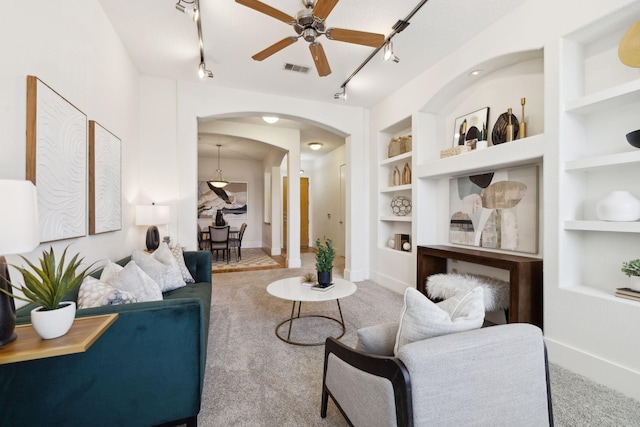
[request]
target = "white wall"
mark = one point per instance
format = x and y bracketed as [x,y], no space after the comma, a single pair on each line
[239,171]
[72,47]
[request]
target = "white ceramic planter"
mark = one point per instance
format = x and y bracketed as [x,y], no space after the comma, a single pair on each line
[53,323]
[618,206]
[634,283]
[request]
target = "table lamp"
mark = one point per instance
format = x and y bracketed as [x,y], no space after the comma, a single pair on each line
[19,233]
[152,216]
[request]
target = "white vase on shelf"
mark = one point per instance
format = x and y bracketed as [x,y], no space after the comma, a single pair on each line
[618,206]
[634,283]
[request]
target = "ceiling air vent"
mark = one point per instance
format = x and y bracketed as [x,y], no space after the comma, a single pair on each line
[297,68]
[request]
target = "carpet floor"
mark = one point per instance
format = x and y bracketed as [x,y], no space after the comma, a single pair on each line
[254,379]
[252,259]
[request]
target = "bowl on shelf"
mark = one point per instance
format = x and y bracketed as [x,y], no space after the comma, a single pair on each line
[634,138]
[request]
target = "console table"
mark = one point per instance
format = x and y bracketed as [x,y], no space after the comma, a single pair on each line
[525,276]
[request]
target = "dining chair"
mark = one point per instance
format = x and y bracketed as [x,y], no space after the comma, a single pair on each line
[204,241]
[236,242]
[219,241]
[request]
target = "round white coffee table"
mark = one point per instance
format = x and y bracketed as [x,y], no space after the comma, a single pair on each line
[293,290]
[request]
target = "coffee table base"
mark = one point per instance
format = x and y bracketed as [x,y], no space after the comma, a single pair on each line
[290,321]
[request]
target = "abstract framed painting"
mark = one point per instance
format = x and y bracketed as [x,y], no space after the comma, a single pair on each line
[231,200]
[497,210]
[57,161]
[105,191]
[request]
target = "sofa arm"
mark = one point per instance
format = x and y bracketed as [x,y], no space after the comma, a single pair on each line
[199,265]
[146,369]
[499,374]
[368,389]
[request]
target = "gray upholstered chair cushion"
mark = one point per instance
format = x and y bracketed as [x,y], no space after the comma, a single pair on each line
[377,339]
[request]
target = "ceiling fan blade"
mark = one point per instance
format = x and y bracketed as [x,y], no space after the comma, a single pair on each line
[629,48]
[323,8]
[267,10]
[357,37]
[276,47]
[322,65]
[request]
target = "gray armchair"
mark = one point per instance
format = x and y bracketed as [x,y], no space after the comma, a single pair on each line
[495,376]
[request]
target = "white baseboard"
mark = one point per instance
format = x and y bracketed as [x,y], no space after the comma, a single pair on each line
[595,368]
[389,282]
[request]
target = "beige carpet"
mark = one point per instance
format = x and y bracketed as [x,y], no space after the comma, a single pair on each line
[252,259]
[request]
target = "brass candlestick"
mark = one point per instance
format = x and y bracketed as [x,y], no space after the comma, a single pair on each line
[522,133]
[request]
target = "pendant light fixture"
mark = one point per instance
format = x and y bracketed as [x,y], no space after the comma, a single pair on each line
[218,180]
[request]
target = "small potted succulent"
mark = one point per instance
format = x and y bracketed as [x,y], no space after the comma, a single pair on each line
[324,261]
[46,286]
[632,269]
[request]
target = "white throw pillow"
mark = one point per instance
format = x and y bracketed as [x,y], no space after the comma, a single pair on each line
[161,266]
[421,318]
[132,279]
[109,269]
[178,254]
[95,293]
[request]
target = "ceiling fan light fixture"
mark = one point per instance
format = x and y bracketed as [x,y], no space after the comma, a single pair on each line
[315,146]
[270,119]
[219,180]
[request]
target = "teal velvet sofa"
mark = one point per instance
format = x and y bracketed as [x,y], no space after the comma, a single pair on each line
[147,369]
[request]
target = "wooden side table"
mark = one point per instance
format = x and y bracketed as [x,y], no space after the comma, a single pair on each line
[525,276]
[29,346]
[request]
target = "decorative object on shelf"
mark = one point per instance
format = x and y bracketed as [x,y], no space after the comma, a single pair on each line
[324,261]
[469,127]
[105,192]
[522,132]
[496,210]
[400,145]
[396,179]
[618,206]
[499,133]
[391,243]
[628,293]
[401,206]
[454,151]
[399,240]
[46,286]
[510,133]
[18,234]
[632,269]
[406,174]
[57,161]
[629,47]
[406,246]
[633,138]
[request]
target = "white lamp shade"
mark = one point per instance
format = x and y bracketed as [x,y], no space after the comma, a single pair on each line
[19,228]
[152,215]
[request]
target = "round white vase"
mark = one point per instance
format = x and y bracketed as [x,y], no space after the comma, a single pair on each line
[51,324]
[618,206]
[634,283]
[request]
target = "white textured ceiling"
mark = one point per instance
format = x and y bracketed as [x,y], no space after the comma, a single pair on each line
[163,42]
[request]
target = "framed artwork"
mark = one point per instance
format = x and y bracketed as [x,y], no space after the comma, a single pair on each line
[231,200]
[57,161]
[105,191]
[497,210]
[471,127]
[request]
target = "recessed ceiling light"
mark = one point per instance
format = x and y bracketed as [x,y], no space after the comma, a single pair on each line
[475,72]
[270,119]
[315,146]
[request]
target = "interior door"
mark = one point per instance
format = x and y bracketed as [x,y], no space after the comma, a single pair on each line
[304,212]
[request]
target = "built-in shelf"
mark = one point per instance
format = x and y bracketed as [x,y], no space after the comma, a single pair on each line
[603,161]
[396,188]
[617,227]
[395,218]
[394,159]
[613,97]
[599,293]
[396,251]
[516,153]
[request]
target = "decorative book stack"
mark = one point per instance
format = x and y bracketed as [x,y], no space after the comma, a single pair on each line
[628,293]
[399,240]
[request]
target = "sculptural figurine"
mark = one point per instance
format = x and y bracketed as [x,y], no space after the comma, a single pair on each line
[219,219]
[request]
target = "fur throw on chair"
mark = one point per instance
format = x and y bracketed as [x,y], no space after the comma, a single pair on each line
[444,286]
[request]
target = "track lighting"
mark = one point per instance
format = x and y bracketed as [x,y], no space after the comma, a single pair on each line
[341,95]
[203,72]
[388,52]
[189,8]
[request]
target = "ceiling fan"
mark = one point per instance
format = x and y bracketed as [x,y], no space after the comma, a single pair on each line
[309,24]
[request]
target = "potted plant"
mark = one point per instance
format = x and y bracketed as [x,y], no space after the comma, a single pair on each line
[324,261]
[46,286]
[632,269]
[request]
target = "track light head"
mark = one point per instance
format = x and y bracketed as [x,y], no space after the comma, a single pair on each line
[341,95]
[203,72]
[387,53]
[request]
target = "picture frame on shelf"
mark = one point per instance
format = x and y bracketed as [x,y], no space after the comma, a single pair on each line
[471,126]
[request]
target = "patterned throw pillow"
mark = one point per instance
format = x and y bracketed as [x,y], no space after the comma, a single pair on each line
[132,279]
[94,293]
[161,266]
[421,318]
[178,254]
